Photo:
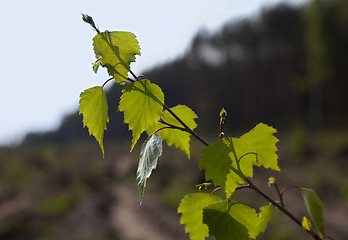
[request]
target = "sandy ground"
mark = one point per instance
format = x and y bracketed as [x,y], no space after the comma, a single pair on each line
[145,222]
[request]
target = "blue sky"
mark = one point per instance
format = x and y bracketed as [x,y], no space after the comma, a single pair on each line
[47,49]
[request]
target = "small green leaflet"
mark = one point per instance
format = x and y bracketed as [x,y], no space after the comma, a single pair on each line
[231,220]
[306,224]
[191,209]
[94,108]
[221,166]
[177,137]
[265,145]
[149,153]
[96,65]
[116,50]
[142,104]
[314,207]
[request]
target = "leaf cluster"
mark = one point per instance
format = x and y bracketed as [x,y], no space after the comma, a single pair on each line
[228,163]
[141,102]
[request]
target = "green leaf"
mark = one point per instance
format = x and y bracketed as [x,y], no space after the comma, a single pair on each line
[149,153]
[231,220]
[116,50]
[191,209]
[228,162]
[314,207]
[243,154]
[94,108]
[142,104]
[216,162]
[264,217]
[265,145]
[180,139]
[306,224]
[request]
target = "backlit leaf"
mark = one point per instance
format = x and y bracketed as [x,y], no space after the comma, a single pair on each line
[264,217]
[142,104]
[231,220]
[216,162]
[243,154]
[116,50]
[314,207]
[191,209]
[180,139]
[94,108]
[265,145]
[149,153]
[228,162]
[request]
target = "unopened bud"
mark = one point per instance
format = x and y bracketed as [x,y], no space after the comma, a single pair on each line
[88,19]
[271,181]
[223,113]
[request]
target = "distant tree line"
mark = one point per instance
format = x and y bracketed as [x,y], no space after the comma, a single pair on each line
[287,66]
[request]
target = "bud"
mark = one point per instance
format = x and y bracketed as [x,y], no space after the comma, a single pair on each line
[271,181]
[89,20]
[223,115]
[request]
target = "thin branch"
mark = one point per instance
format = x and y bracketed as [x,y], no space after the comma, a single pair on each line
[107,81]
[237,188]
[243,186]
[287,188]
[221,134]
[163,128]
[141,77]
[171,125]
[281,208]
[189,130]
[248,154]
[215,190]
[131,72]
[280,194]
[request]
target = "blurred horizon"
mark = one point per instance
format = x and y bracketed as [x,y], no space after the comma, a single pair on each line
[56,65]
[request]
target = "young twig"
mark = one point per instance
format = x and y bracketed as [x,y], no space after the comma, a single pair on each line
[187,128]
[107,81]
[171,125]
[281,208]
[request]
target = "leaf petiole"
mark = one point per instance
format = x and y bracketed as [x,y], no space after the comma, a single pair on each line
[170,126]
[107,81]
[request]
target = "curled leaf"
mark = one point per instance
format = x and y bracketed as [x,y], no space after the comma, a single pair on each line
[149,154]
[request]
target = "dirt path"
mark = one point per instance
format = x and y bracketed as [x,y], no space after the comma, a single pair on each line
[149,221]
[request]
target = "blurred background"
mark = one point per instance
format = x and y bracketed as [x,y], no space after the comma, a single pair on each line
[283,63]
